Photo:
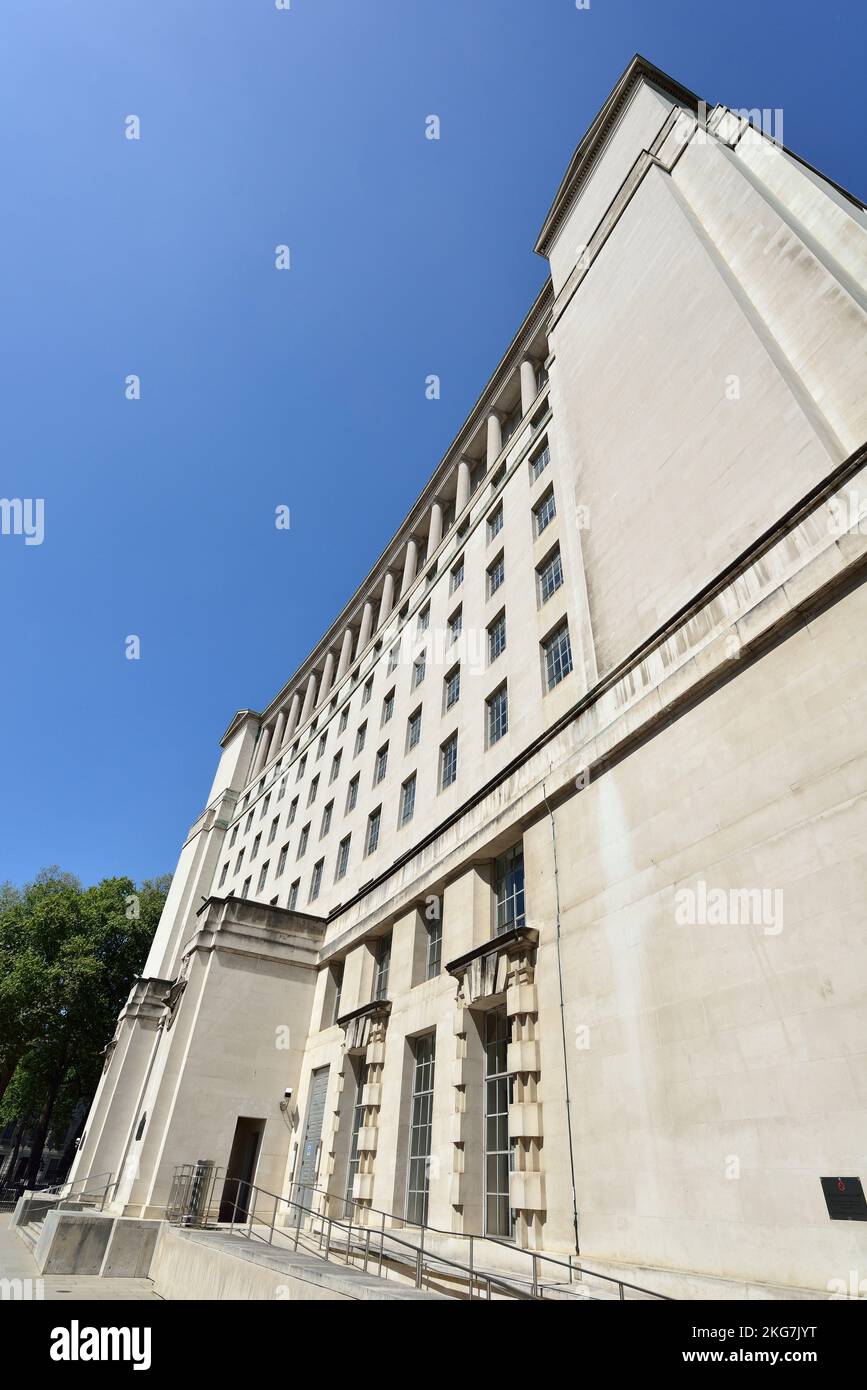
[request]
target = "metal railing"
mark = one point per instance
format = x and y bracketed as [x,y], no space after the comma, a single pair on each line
[92,1189]
[355,1237]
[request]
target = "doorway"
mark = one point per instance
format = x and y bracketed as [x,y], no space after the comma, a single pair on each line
[241,1169]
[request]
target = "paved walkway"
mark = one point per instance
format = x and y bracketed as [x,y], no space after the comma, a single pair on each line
[16,1262]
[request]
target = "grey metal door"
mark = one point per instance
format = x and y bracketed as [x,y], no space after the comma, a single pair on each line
[312,1135]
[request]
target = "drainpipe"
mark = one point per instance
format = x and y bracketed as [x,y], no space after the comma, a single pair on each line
[563,1024]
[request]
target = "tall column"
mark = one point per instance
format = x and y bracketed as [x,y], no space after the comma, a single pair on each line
[410,565]
[261,750]
[309,697]
[495,436]
[345,654]
[327,676]
[435,534]
[279,730]
[463,496]
[294,711]
[366,628]
[386,603]
[528,384]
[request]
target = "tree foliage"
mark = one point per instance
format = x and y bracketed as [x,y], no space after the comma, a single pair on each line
[68,958]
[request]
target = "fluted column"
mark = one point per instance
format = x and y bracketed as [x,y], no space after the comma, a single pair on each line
[309,697]
[327,676]
[292,721]
[261,750]
[386,603]
[495,436]
[345,654]
[463,496]
[279,730]
[528,384]
[364,632]
[435,534]
[410,565]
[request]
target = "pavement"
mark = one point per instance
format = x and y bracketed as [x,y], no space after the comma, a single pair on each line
[17,1264]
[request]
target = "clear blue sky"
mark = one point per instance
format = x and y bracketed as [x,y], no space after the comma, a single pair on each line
[155,257]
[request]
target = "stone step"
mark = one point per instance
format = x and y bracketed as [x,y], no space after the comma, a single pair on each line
[30,1233]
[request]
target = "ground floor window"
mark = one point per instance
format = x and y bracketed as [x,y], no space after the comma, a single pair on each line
[421,1117]
[357,1122]
[499,1219]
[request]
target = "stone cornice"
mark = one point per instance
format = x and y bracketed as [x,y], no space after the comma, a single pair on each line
[596,137]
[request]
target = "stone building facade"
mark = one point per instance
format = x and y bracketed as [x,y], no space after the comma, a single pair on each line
[541,883]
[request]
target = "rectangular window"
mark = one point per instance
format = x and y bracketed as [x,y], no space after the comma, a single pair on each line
[272,833]
[239,861]
[420,1129]
[293,895]
[263,874]
[544,512]
[281,862]
[245,891]
[316,880]
[302,765]
[249,822]
[456,622]
[509,890]
[452,685]
[407,800]
[314,787]
[265,804]
[293,810]
[235,829]
[496,637]
[256,843]
[539,462]
[448,762]
[337,976]
[495,522]
[281,790]
[456,578]
[418,669]
[342,858]
[381,765]
[360,737]
[434,929]
[335,766]
[498,715]
[498,1149]
[424,619]
[373,821]
[326,820]
[549,576]
[320,747]
[557,656]
[357,1122]
[388,707]
[223,875]
[367,691]
[302,843]
[413,729]
[383,963]
[352,793]
[496,573]
[344,720]
[393,658]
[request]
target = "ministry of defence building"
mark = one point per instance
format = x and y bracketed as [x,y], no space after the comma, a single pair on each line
[541,884]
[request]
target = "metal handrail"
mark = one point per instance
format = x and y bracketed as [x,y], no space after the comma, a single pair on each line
[425,1258]
[569,1264]
[65,1189]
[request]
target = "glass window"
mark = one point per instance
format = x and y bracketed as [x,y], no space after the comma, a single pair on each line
[264,808]
[495,522]
[383,963]
[342,858]
[424,619]
[388,707]
[302,843]
[293,894]
[373,821]
[223,875]
[352,793]
[316,880]
[497,637]
[498,714]
[281,862]
[314,787]
[344,720]
[326,820]
[245,891]
[272,833]
[418,670]
[293,810]
[456,622]
[456,577]
[544,512]
[281,791]
[256,843]
[360,737]
[302,764]
[335,766]
[550,576]
[263,874]
[239,861]
[413,729]
[407,800]
[539,462]
[393,657]
[557,652]
[496,573]
[320,747]
[420,1129]
[449,761]
[337,976]
[452,687]
[234,834]
[434,929]
[498,1148]
[509,890]
[381,765]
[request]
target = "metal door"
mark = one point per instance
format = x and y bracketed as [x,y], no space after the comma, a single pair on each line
[312,1135]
